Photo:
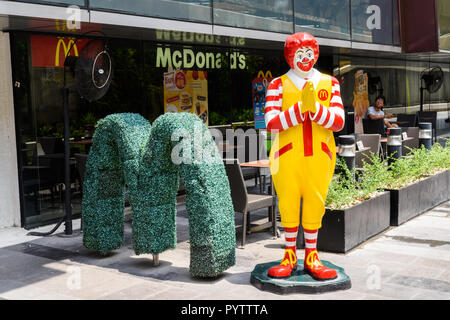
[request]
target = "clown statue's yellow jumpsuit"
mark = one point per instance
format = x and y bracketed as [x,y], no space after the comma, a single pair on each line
[303,108]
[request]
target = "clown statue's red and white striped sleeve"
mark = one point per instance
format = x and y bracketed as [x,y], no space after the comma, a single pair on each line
[276,120]
[333,117]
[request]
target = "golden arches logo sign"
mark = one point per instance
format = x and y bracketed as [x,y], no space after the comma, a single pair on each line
[50,52]
[69,48]
[267,75]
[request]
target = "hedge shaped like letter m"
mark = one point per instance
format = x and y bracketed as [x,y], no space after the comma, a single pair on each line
[150,160]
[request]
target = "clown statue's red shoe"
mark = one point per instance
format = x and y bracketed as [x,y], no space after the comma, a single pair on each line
[285,268]
[315,268]
[312,264]
[289,262]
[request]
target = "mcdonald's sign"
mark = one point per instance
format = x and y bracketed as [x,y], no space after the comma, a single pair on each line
[50,52]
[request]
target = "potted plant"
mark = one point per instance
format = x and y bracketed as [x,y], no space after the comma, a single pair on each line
[356,208]
[45,131]
[419,182]
[88,121]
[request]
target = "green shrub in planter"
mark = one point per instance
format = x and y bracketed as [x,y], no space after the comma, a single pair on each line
[418,183]
[420,164]
[345,190]
[150,161]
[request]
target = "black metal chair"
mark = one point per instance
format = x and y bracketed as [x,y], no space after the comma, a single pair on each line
[407,145]
[374,126]
[406,120]
[244,202]
[371,140]
[81,160]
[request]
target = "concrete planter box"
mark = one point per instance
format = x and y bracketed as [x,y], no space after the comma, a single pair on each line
[412,200]
[343,230]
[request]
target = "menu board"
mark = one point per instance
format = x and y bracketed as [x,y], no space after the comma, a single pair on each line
[186,91]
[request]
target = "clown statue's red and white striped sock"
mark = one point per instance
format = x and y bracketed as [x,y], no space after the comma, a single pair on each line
[312,263]
[289,262]
[290,235]
[310,239]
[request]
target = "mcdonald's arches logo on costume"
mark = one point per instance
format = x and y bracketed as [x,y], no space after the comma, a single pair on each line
[323,95]
[50,52]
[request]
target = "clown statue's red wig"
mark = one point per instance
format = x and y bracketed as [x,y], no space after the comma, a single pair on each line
[296,41]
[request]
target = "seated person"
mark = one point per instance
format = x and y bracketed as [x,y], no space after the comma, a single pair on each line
[375,112]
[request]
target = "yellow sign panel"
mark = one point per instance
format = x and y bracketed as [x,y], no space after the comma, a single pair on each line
[186,91]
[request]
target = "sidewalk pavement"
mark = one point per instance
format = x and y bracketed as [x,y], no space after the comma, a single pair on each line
[411,261]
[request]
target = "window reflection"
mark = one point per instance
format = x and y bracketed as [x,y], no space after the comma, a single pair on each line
[443,8]
[323,18]
[74,2]
[253,14]
[173,9]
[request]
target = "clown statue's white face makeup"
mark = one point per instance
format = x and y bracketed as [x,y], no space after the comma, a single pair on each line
[304,61]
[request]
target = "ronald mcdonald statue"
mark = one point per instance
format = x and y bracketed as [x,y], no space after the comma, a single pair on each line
[303,108]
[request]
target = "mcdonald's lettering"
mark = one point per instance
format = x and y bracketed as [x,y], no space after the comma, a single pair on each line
[187,58]
[323,94]
[50,52]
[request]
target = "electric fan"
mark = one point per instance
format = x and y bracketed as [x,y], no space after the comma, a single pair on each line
[430,80]
[93,71]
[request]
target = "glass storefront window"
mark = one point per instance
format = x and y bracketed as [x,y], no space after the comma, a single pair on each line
[173,9]
[323,18]
[266,15]
[80,3]
[363,79]
[39,118]
[443,8]
[373,21]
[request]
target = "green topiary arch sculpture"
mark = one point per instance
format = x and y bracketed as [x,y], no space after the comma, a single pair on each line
[150,163]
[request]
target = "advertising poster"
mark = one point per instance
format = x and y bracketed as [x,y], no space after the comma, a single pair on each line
[360,98]
[186,91]
[259,87]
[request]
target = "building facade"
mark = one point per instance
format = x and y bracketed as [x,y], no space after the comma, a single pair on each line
[368,45]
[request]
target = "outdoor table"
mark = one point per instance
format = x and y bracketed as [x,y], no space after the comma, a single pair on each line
[57,156]
[86,142]
[263,163]
[384,139]
[356,151]
[34,167]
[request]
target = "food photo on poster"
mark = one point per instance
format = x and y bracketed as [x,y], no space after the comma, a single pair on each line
[186,91]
